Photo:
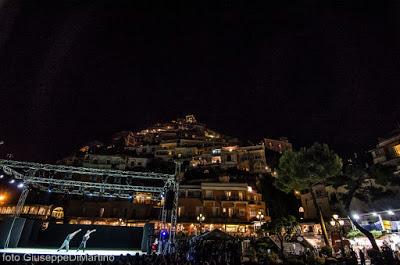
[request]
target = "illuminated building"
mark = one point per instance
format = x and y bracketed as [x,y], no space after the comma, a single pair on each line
[322,197]
[387,151]
[233,206]
[278,145]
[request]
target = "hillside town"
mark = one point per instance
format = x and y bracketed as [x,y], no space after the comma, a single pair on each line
[232,186]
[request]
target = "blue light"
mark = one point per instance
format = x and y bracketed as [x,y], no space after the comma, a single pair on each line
[11,181]
[49,190]
[164,234]
[1,176]
[20,185]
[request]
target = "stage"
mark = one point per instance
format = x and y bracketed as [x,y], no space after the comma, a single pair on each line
[90,252]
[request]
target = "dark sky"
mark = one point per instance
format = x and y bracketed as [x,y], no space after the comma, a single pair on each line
[75,71]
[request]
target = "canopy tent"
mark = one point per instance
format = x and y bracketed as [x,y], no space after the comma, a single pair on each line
[216,243]
[215,234]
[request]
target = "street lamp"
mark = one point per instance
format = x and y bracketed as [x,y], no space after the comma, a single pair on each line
[301,212]
[260,216]
[390,212]
[356,216]
[200,219]
[3,198]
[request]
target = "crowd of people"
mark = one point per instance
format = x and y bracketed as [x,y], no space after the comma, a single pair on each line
[192,251]
[145,259]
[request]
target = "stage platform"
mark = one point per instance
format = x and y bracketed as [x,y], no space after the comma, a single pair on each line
[90,252]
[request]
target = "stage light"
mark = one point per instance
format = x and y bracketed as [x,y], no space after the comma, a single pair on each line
[356,216]
[11,181]
[374,214]
[20,185]
[1,176]
[390,212]
[49,190]
[164,234]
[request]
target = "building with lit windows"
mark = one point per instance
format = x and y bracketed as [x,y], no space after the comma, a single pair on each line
[387,151]
[43,212]
[322,197]
[247,158]
[278,145]
[231,207]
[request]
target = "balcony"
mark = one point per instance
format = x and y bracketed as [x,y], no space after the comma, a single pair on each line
[231,198]
[252,202]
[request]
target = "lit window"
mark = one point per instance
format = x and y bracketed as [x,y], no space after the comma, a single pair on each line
[180,211]
[230,212]
[253,213]
[396,149]
[242,212]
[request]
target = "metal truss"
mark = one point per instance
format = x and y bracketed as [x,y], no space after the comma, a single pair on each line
[169,246]
[42,176]
[69,180]
[84,171]
[174,211]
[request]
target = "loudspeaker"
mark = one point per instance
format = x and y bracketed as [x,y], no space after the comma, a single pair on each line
[148,231]
[169,200]
[16,227]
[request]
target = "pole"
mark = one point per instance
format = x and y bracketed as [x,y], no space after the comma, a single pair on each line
[225,222]
[341,240]
[381,222]
[17,212]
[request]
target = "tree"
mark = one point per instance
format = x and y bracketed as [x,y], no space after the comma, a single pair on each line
[279,202]
[303,169]
[284,228]
[366,184]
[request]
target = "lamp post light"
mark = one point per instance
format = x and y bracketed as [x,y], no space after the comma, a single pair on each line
[224,214]
[3,198]
[301,212]
[200,219]
[260,216]
[338,224]
[390,212]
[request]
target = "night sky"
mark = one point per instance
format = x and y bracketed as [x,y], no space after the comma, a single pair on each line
[76,71]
